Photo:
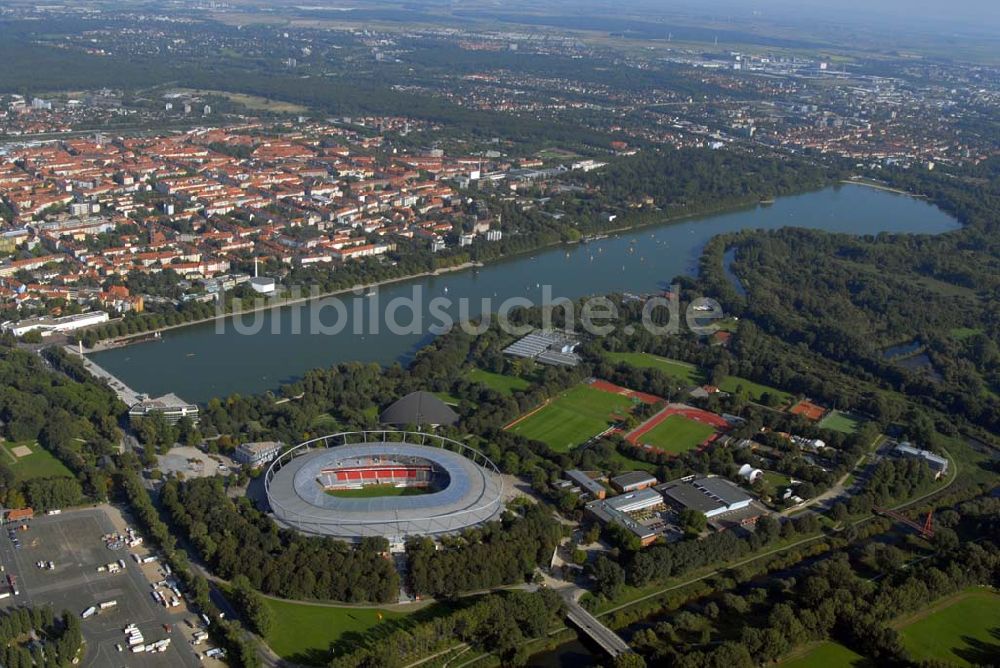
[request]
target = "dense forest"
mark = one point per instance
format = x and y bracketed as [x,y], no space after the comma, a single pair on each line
[851,596]
[242,649]
[850,300]
[67,414]
[500,623]
[497,553]
[236,539]
[59,639]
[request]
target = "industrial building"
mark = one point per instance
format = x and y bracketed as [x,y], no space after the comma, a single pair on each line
[264,285]
[711,496]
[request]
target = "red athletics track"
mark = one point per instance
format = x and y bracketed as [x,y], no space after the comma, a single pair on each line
[605,386]
[691,413]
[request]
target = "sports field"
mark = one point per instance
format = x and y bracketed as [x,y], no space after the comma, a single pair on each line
[754,390]
[960,630]
[373,491]
[677,434]
[304,632]
[573,418]
[827,654]
[842,422]
[29,460]
[683,372]
[498,381]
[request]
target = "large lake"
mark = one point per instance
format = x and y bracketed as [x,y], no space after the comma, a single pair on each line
[200,361]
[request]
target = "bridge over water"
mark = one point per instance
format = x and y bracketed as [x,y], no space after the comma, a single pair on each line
[607,639]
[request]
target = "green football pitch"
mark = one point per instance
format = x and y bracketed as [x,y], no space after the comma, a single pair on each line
[959,630]
[373,491]
[573,418]
[677,434]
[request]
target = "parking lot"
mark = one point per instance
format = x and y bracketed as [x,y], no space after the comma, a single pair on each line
[73,542]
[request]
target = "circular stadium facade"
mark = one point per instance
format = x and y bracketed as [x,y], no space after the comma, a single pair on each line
[390,484]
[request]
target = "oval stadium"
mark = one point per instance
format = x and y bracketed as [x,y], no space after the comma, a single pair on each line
[390,484]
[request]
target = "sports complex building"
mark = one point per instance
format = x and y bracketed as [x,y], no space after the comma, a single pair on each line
[391,484]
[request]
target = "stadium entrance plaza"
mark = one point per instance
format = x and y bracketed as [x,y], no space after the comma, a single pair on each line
[74,542]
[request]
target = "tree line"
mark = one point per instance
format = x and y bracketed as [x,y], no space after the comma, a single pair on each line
[59,640]
[496,553]
[834,598]
[67,414]
[241,648]
[234,539]
[499,623]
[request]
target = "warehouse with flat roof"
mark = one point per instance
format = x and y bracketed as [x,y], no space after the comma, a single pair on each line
[711,496]
[633,481]
[586,483]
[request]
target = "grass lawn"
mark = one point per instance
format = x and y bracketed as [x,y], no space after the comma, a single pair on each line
[373,491]
[573,418]
[728,325]
[754,390]
[959,630]
[677,434]
[962,333]
[827,654]
[842,422]
[626,463]
[776,483]
[255,102]
[304,632]
[448,398]
[39,464]
[683,372]
[498,381]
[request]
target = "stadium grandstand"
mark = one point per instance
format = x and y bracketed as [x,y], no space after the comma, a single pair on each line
[312,486]
[398,471]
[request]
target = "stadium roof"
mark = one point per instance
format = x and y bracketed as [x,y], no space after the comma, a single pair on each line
[472,495]
[419,408]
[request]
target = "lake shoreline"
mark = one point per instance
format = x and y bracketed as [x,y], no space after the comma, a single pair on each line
[277,346]
[130,339]
[149,335]
[884,188]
